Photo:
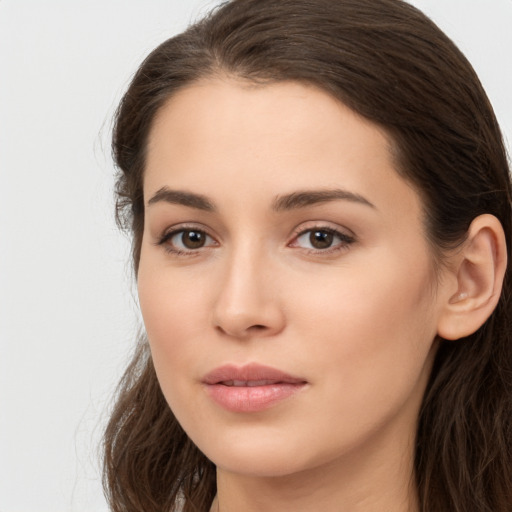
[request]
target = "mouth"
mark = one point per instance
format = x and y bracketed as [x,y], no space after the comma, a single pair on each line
[250,388]
[250,383]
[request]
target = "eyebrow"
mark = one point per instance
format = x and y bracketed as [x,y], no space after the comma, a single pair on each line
[189,199]
[295,200]
[303,199]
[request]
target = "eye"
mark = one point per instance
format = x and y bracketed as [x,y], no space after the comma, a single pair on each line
[186,241]
[322,239]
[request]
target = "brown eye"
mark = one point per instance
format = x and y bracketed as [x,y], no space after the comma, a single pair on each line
[184,241]
[192,239]
[321,239]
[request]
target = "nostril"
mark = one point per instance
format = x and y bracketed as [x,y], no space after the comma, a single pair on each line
[246,332]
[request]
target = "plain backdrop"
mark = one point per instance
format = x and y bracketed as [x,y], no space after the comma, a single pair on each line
[68,311]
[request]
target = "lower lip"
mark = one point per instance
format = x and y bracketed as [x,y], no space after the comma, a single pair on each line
[251,398]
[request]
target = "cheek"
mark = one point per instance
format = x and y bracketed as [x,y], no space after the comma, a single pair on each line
[166,307]
[372,333]
[172,307]
[172,318]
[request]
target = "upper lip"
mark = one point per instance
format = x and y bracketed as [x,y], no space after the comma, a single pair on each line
[250,373]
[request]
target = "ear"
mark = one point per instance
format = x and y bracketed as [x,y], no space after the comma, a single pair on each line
[479,269]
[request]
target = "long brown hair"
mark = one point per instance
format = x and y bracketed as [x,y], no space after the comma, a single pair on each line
[392,65]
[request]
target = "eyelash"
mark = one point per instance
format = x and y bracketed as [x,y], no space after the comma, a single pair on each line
[345,240]
[166,237]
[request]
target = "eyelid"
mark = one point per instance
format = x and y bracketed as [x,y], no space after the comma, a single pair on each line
[346,236]
[172,231]
[323,226]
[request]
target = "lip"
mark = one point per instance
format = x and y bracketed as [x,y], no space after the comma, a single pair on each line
[250,388]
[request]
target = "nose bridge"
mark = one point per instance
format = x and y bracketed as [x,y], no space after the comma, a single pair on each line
[247,302]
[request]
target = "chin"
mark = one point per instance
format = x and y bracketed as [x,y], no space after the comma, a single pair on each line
[258,455]
[263,454]
[262,464]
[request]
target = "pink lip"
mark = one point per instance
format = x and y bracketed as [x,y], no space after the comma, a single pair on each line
[250,388]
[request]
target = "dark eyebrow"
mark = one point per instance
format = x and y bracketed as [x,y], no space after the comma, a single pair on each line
[302,199]
[184,198]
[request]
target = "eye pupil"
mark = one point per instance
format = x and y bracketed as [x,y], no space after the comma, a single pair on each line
[193,239]
[321,239]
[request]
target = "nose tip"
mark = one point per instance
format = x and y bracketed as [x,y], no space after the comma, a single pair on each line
[248,304]
[248,320]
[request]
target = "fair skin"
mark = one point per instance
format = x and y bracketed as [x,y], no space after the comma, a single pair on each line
[338,290]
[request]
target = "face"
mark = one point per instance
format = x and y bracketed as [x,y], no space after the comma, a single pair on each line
[285,280]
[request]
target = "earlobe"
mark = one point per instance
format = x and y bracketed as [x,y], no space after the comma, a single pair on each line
[479,266]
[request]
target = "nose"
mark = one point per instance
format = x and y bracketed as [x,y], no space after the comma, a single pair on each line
[248,303]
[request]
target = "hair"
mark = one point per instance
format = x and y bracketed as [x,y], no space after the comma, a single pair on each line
[388,62]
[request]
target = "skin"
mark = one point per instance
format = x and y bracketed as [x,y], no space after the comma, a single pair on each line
[356,320]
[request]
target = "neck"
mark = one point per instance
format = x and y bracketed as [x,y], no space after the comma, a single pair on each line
[383,480]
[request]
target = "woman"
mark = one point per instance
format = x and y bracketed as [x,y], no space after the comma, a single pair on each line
[320,203]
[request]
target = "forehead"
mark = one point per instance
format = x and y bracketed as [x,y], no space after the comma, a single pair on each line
[225,135]
[258,110]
